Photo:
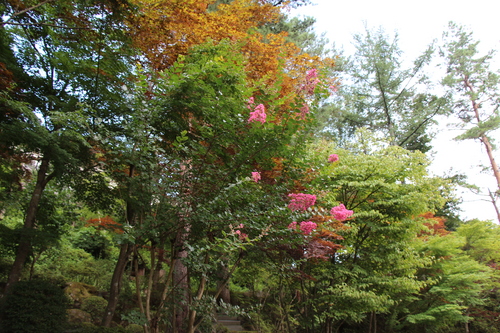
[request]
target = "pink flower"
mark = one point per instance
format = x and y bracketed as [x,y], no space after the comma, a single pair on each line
[307,227]
[241,225]
[303,111]
[311,74]
[256,176]
[250,103]
[311,81]
[292,225]
[333,158]
[341,213]
[301,201]
[259,114]
[241,235]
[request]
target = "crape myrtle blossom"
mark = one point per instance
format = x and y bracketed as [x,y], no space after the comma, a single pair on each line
[311,81]
[256,176]
[333,158]
[303,111]
[340,213]
[306,227]
[259,114]
[241,235]
[301,201]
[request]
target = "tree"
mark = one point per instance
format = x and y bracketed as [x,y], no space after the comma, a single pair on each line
[351,273]
[46,122]
[379,93]
[475,90]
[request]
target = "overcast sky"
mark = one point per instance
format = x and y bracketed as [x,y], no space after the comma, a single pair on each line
[418,23]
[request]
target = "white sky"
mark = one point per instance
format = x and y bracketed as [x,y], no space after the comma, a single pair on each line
[418,23]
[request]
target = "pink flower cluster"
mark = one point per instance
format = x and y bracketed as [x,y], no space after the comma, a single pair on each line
[301,201]
[340,213]
[333,158]
[256,176]
[259,113]
[311,81]
[303,111]
[305,226]
[240,234]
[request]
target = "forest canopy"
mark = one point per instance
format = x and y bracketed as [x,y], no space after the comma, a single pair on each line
[167,163]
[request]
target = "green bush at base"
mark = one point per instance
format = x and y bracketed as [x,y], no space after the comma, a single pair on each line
[34,306]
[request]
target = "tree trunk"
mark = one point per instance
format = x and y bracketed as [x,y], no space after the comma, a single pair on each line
[116,281]
[223,275]
[181,287]
[484,139]
[24,248]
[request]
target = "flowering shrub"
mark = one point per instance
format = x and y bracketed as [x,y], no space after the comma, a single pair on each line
[241,235]
[301,201]
[259,114]
[303,111]
[307,227]
[256,176]
[311,81]
[341,213]
[292,225]
[333,158]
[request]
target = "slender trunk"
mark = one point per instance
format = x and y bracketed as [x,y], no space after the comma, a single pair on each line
[223,275]
[116,281]
[181,287]
[150,283]
[138,283]
[24,247]
[494,202]
[484,139]
[201,290]
[155,319]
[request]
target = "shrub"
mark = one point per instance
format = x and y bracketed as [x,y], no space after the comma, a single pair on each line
[134,328]
[34,306]
[96,306]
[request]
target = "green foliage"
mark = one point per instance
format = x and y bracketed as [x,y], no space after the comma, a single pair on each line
[100,329]
[94,305]
[375,270]
[92,241]
[134,328]
[382,95]
[73,264]
[34,306]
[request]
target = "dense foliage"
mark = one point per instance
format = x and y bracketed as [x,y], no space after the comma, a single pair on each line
[168,161]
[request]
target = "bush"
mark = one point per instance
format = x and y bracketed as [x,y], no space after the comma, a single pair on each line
[96,306]
[34,306]
[100,329]
[134,328]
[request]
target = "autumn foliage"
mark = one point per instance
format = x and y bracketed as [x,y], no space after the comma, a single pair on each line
[105,223]
[435,224]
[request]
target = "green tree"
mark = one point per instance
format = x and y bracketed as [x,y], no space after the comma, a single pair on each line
[457,284]
[374,266]
[68,57]
[379,92]
[474,87]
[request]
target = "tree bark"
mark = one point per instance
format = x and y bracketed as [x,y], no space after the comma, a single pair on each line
[116,279]
[484,139]
[116,282]
[181,286]
[24,247]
